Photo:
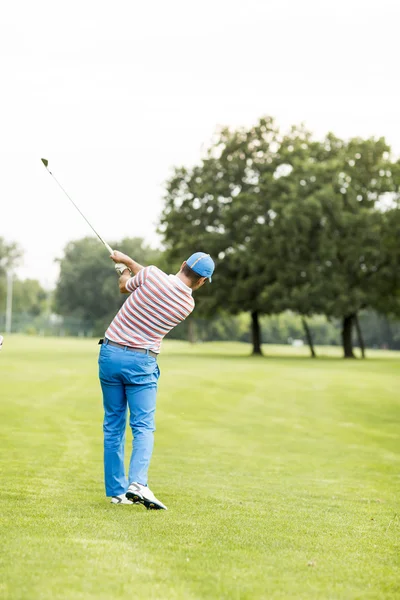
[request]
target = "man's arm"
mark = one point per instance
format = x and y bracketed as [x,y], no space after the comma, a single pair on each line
[132,269]
[122,281]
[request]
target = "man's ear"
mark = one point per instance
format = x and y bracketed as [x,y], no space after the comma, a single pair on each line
[183,264]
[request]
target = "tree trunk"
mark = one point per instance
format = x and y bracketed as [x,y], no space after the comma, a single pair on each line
[347,339]
[360,336]
[309,337]
[256,333]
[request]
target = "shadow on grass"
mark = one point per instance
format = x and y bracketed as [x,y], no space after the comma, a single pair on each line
[269,357]
[221,355]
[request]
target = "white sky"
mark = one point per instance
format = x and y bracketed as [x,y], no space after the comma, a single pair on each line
[115,94]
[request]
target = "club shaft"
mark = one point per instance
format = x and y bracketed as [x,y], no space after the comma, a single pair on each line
[81,213]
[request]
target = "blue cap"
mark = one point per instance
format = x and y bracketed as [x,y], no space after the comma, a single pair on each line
[202,264]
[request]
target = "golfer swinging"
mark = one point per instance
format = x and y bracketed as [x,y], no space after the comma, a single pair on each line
[128,369]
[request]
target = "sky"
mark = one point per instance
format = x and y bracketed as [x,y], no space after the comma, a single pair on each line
[116,94]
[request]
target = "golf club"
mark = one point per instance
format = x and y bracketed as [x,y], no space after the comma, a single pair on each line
[119,267]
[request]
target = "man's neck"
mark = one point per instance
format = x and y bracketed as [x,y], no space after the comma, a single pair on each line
[185,279]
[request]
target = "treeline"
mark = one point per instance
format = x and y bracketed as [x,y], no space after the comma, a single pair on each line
[83,304]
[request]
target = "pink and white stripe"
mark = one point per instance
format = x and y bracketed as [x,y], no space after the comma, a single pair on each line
[157,304]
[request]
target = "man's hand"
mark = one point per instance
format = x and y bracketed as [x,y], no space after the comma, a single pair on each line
[120,257]
[124,259]
[120,267]
[120,260]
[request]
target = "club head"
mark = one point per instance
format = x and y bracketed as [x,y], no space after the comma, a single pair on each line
[45,162]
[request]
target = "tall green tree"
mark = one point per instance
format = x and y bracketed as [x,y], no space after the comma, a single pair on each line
[29,297]
[10,255]
[342,252]
[223,206]
[233,205]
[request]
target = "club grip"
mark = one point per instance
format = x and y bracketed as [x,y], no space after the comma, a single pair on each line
[120,268]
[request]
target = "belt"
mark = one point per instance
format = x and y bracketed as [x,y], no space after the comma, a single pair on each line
[140,350]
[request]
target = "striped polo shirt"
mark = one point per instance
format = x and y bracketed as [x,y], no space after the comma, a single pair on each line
[157,304]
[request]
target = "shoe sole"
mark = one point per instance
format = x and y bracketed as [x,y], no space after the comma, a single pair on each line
[140,500]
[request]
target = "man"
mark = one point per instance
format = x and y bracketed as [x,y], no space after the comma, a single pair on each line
[128,369]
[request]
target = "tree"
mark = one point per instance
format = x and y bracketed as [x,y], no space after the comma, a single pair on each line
[29,297]
[250,203]
[343,253]
[223,206]
[10,255]
[87,285]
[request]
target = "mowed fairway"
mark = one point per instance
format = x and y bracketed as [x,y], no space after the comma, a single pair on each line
[281,475]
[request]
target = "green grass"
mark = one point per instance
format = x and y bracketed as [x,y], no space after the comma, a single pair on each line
[281,475]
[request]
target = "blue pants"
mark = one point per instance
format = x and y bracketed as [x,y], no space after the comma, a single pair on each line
[127,379]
